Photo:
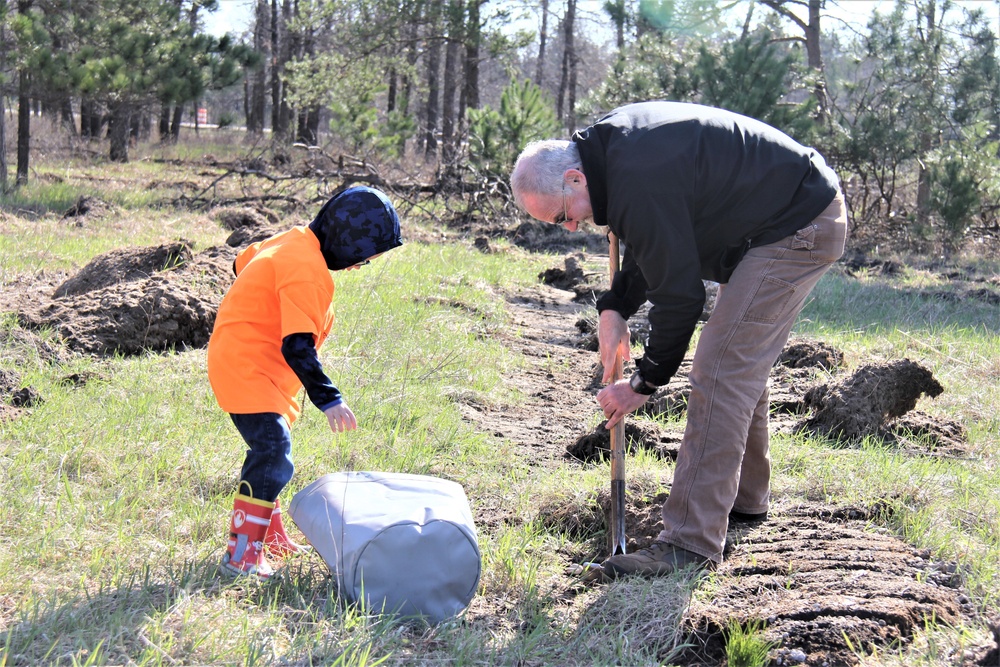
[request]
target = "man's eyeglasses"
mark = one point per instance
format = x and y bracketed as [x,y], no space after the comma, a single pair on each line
[564,216]
[364,263]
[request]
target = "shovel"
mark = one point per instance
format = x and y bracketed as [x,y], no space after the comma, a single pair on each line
[617,434]
[592,572]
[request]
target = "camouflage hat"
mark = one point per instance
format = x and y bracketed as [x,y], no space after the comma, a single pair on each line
[354,225]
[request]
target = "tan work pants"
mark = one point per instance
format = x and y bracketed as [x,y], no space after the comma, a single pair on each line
[724,460]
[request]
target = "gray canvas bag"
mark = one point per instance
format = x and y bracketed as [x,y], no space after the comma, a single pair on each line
[401,543]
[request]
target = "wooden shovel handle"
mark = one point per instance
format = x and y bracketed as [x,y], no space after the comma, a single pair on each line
[617,432]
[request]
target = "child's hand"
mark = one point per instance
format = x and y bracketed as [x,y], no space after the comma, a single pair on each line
[341,418]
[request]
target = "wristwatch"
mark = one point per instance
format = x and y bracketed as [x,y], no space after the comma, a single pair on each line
[639,384]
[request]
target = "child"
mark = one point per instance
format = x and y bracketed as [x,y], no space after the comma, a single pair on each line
[263,349]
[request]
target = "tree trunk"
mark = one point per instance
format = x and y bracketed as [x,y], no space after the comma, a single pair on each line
[543,37]
[815,55]
[3,127]
[275,47]
[573,61]
[567,60]
[470,88]
[451,66]
[811,35]
[3,110]
[410,37]
[175,123]
[23,126]
[134,128]
[66,114]
[308,127]
[164,126]
[90,119]
[433,83]
[308,123]
[284,111]
[257,96]
[926,135]
[119,126]
[392,94]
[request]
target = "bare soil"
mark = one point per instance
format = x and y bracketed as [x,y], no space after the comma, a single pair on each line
[820,580]
[816,577]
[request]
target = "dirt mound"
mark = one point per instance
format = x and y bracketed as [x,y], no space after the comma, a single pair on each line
[865,402]
[133,300]
[123,265]
[246,235]
[19,341]
[130,318]
[920,433]
[14,397]
[596,446]
[587,285]
[86,206]
[547,237]
[803,353]
[238,217]
[876,401]
[247,224]
[638,326]
[857,262]
[566,278]
[483,245]
[16,394]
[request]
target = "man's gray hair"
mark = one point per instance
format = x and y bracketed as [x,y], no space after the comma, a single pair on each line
[540,167]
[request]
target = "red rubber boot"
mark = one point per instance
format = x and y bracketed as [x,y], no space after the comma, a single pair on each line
[248,526]
[277,541]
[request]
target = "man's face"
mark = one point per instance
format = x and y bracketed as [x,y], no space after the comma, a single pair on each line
[566,209]
[550,209]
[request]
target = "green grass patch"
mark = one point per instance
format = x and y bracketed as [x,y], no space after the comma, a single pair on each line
[116,493]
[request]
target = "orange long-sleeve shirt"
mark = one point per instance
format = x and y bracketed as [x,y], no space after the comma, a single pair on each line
[282,287]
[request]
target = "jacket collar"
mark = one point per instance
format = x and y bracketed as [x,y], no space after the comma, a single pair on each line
[591,147]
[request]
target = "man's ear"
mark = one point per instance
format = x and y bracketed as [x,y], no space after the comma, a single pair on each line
[574,176]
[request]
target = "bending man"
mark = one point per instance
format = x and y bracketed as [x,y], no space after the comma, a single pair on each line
[696,193]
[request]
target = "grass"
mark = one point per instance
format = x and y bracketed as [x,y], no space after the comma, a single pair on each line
[745,647]
[116,493]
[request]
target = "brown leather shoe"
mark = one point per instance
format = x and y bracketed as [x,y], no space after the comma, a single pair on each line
[657,560]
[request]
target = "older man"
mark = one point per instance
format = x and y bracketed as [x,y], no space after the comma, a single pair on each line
[696,193]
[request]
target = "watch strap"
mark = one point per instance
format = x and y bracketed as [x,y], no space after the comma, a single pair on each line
[639,384]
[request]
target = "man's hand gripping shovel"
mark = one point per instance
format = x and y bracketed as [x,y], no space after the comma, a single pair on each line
[592,572]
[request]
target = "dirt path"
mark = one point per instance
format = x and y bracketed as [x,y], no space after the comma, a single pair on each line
[558,399]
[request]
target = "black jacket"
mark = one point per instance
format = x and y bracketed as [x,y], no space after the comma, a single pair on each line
[689,189]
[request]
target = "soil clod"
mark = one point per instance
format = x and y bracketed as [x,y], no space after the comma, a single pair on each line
[866,402]
[803,353]
[596,446]
[585,285]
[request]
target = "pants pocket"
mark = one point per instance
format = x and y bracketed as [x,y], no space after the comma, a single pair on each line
[769,301]
[805,238]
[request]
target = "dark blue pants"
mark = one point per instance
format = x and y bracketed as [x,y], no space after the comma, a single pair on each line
[268,465]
